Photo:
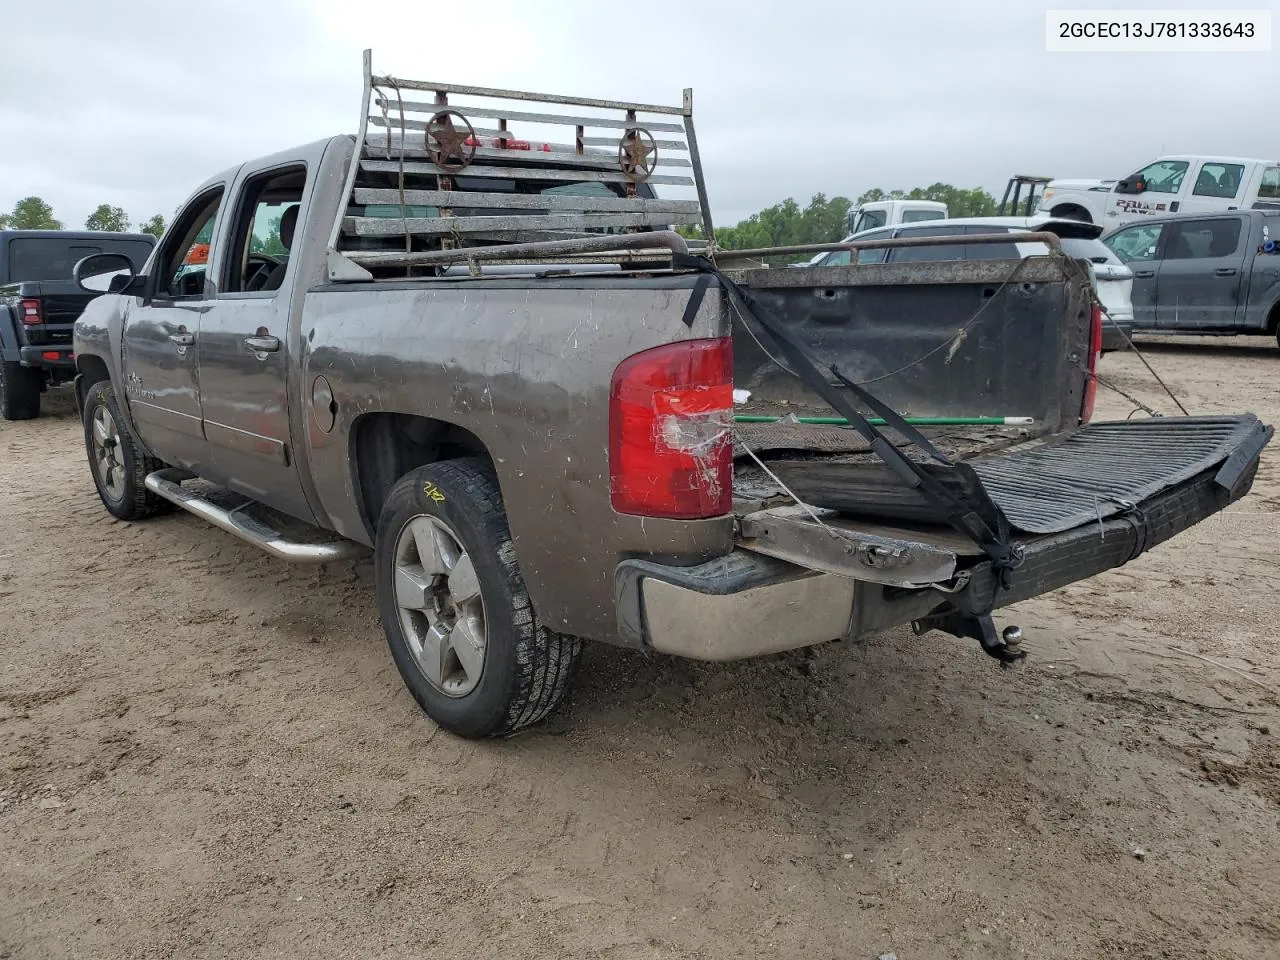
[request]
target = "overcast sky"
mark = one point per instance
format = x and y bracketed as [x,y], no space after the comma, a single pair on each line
[135,102]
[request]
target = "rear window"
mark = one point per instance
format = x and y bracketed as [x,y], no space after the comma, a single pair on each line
[52,258]
[1077,248]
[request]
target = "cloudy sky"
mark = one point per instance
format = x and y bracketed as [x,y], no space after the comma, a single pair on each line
[135,102]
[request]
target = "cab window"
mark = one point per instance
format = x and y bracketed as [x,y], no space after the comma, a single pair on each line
[265,225]
[1219,180]
[1139,242]
[869,220]
[1163,176]
[1269,189]
[1203,239]
[184,260]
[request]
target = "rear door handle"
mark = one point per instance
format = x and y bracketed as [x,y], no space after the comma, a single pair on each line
[262,344]
[1144,273]
[1225,272]
[182,339]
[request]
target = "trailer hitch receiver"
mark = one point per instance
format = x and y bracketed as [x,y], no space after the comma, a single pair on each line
[1005,647]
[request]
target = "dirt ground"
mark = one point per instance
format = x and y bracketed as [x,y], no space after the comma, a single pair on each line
[207,753]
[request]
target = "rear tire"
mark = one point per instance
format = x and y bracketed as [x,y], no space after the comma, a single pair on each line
[19,391]
[457,616]
[118,465]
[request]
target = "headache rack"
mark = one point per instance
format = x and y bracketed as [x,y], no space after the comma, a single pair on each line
[447,175]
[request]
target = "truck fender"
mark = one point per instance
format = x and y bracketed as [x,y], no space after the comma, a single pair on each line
[9,342]
[98,342]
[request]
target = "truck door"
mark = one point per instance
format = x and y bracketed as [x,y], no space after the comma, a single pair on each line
[1138,246]
[1153,191]
[1200,277]
[161,375]
[1217,186]
[244,343]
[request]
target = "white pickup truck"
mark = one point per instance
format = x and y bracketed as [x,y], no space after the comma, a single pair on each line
[1174,184]
[889,213]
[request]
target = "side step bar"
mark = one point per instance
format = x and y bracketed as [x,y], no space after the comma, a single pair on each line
[168,484]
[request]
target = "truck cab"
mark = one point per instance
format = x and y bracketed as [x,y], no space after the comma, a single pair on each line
[1173,184]
[887,213]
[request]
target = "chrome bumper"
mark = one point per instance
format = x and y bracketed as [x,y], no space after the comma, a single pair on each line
[738,606]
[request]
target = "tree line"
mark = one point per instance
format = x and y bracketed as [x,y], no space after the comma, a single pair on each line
[826,220]
[33,213]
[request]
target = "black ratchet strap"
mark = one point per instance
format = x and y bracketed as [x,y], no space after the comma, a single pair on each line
[989,532]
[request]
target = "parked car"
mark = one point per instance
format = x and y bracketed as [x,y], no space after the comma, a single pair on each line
[39,302]
[1204,274]
[1112,279]
[541,458]
[1175,184]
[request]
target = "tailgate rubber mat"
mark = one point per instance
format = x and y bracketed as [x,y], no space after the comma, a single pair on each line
[1099,471]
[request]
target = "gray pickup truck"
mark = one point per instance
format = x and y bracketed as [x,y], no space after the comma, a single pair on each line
[1215,273]
[491,360]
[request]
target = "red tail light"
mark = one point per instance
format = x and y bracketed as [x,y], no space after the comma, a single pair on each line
[508,143]
[1095,351]
[51,355]
[31,312]
[670,431]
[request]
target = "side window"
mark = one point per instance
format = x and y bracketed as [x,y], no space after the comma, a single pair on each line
[266,218]
[946,251]
[1163,176]
[869,220]
[1136,243]
[1203,239]
[840,258]
[1219,180]
[989,251]
[919,216]
[184,260]
[1269,189]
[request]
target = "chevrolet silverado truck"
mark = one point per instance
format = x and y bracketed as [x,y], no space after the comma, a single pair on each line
[489,359]
[39,303]
[1208,274]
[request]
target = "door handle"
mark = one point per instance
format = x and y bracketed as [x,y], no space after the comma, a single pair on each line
[262,344]
[182,339]
[1144,273]
[1225,272]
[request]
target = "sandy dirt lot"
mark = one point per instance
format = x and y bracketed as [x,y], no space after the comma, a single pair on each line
[207,753]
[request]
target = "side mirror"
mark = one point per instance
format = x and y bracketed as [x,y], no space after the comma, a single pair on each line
[1135,185]
[104,273]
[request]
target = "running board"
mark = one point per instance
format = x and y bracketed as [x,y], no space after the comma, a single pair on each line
[168,484]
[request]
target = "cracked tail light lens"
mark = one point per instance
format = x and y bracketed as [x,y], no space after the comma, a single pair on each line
[671,431]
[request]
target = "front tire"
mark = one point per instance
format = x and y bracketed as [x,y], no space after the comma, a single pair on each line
[118,466]
[1072,212]
[457,616]
[19,391]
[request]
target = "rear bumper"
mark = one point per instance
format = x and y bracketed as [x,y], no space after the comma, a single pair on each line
[49,356]
[737,606]
[1116,333]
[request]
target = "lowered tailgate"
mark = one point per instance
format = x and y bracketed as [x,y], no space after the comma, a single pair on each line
[1076,505]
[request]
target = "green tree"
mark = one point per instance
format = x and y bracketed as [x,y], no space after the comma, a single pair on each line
[108,218]
[788,224]
[154,226]
[30,213]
